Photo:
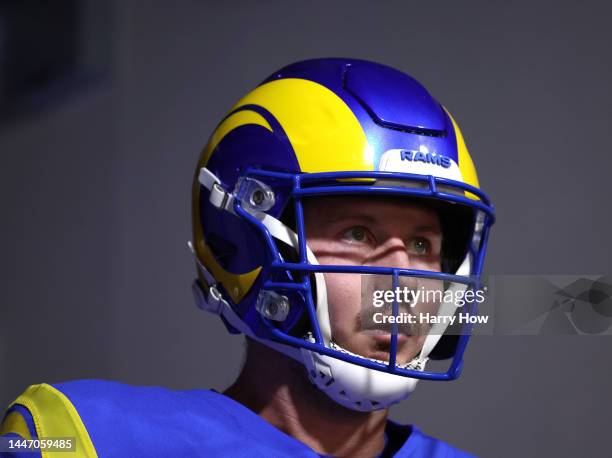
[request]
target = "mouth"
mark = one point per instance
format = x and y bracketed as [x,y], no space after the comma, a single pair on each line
[384,335]
[380,343]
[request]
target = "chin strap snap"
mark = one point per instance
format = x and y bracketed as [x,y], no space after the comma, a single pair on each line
[214,301]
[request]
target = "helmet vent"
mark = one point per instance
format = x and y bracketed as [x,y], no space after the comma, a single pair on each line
[395,100]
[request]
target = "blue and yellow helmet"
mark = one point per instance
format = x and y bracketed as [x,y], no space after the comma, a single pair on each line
[324,127]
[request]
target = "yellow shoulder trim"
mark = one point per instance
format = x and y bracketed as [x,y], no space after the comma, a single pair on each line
[55,416]
[15,423]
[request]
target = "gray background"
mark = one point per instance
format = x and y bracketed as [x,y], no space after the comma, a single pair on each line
[95,192]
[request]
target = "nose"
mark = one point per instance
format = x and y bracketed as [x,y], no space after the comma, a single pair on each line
[392,253]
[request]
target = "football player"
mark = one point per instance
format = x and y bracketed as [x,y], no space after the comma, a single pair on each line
[333,206]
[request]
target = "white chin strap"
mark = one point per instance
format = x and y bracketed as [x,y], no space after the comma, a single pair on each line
[352,386]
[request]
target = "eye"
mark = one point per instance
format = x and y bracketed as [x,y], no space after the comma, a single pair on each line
[356,234]
[419,246]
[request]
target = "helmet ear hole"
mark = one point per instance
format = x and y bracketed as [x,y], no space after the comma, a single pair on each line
[223,250]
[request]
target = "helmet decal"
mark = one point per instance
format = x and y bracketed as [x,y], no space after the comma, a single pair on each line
[321,128]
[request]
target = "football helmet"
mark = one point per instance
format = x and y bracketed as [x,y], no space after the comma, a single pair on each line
[331,127]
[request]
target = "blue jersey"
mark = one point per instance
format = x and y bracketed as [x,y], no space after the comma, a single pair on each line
[111,419]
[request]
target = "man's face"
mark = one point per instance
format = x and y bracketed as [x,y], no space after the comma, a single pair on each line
[374,231]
